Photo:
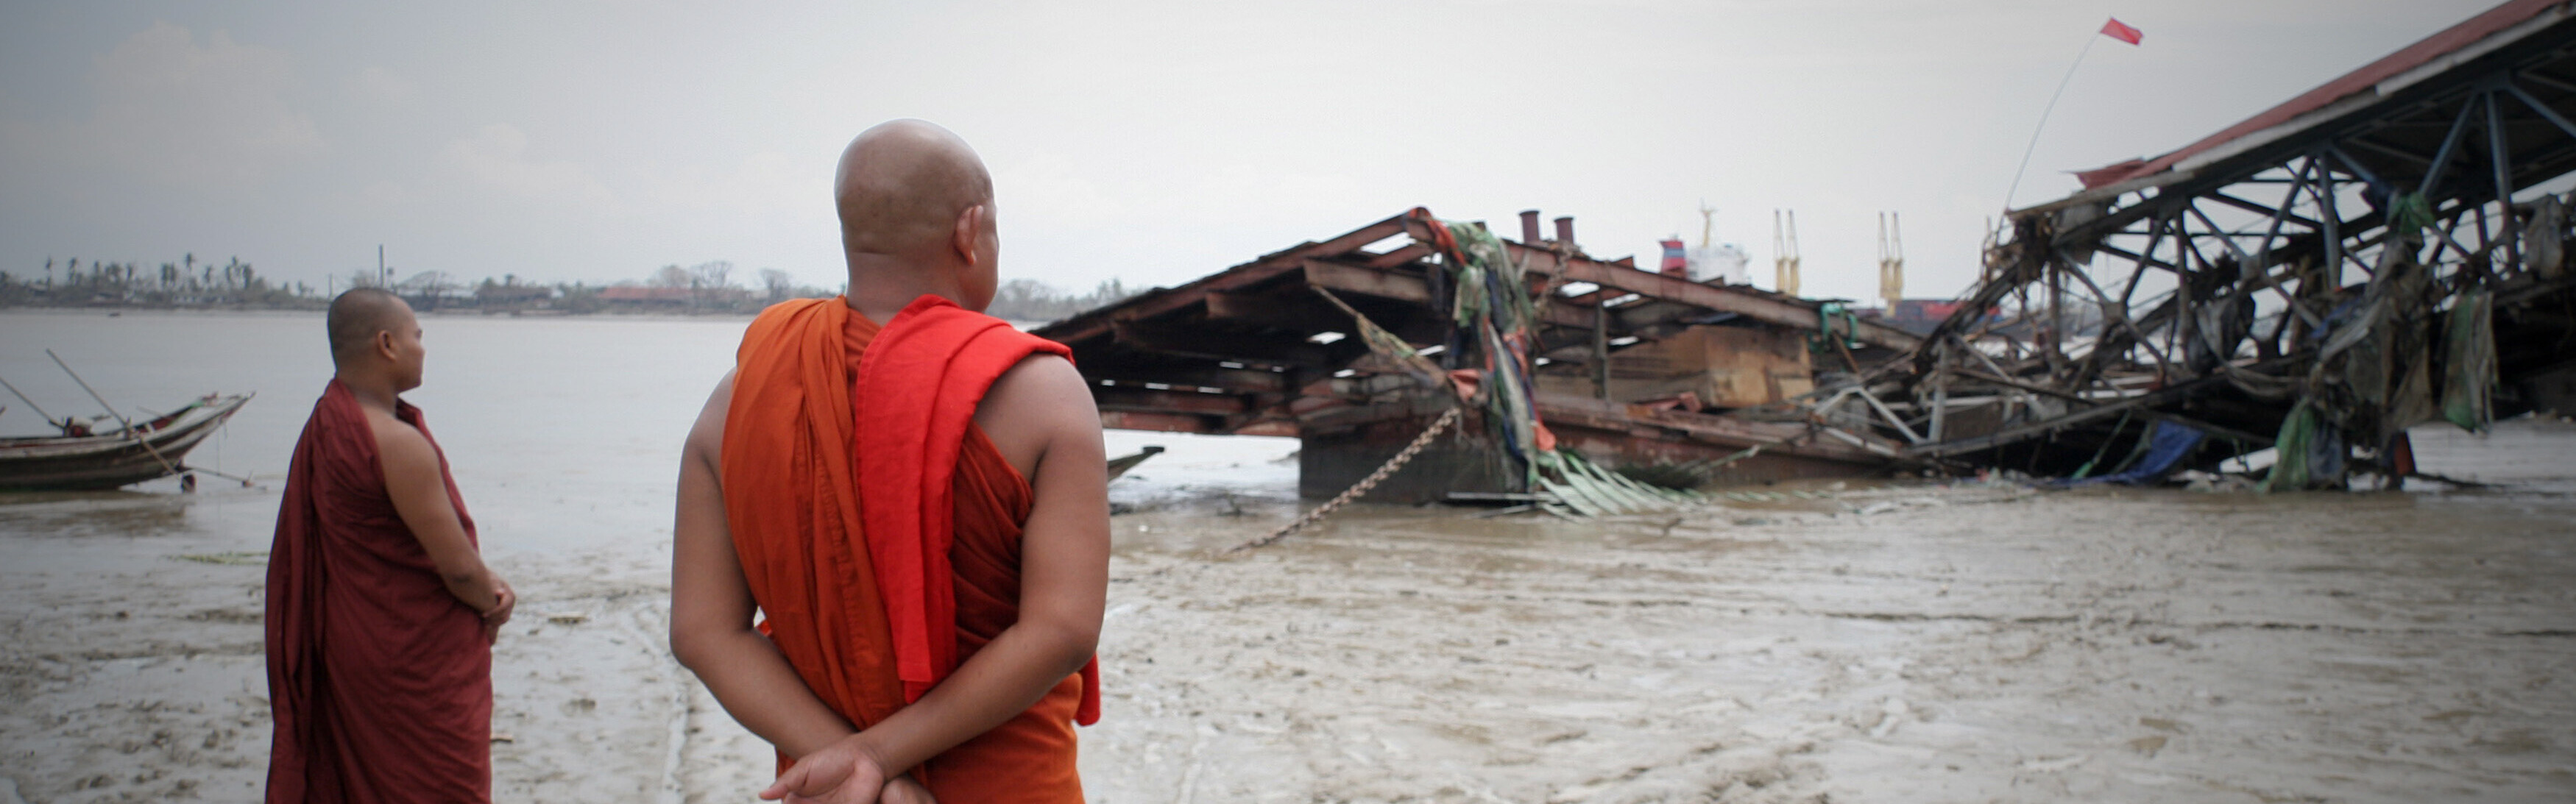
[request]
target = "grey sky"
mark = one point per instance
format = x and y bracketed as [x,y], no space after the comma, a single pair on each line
[1149,141]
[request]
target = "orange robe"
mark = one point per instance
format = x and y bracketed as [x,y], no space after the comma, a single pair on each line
[845,595]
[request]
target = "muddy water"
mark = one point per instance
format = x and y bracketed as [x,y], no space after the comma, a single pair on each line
[1958,645]
[1909,643]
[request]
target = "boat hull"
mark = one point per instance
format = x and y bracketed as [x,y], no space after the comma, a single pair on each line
[101,462]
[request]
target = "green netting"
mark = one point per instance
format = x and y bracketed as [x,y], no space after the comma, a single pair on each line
[2290,466]
[1493,302]
[2469,376]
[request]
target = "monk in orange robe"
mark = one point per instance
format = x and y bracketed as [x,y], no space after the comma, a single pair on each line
[380,612]
[912,498]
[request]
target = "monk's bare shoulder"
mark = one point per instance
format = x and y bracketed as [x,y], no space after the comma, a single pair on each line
[1035,406]
[416,484]
[400,448]
[706,437]
[1042,388]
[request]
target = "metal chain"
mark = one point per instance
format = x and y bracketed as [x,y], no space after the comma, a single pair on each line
[1363,487]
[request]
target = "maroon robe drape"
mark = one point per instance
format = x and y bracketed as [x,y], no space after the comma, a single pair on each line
[380,683]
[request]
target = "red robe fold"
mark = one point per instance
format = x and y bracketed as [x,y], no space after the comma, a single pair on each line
[380,683]
[879,529]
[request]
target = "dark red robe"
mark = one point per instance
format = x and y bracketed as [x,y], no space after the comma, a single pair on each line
[379,681]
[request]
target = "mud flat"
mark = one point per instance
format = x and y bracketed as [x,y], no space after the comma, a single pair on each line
[1809,643]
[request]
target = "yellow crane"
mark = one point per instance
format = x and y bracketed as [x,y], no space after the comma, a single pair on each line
[1891,261]
[1784,244]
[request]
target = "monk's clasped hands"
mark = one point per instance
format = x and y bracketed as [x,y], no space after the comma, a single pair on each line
[845,772]
[506,600]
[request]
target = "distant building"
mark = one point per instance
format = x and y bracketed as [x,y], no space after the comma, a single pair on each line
[647,297]
[490,296]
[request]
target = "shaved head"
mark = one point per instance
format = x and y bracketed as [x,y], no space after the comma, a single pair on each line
[356,317]
[902,185]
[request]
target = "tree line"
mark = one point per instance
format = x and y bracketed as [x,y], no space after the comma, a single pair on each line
[188,282]
[712,287]
[1032,300]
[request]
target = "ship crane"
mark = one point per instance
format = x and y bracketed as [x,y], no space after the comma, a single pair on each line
[1784,243]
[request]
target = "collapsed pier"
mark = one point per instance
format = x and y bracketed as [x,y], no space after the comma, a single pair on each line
[1613,362]
[2386,250]
[2380,252]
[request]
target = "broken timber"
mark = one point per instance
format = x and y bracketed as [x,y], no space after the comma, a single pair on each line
[1254,350]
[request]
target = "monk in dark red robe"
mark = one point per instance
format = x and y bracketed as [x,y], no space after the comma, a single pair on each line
[916,511]
[381,613]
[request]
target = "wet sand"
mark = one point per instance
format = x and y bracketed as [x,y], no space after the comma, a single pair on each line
[1879,643]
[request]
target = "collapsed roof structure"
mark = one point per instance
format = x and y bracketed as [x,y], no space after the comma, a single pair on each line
[2378,252]
[1256,349]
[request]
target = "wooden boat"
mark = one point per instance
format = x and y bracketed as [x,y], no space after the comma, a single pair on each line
[1120,465]
[150,450]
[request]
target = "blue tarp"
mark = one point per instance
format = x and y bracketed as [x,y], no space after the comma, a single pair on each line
[2167,443]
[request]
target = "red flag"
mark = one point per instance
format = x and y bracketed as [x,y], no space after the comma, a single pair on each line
[2121,31]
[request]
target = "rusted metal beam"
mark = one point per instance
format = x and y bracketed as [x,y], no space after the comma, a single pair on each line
[1146,400]
[1359,237]
[1400,256]
[1100,323]
[1776,311]
[1157,422]
[1297,311]
[1639,423]
[1379,282]
[1203,344]
[1389,284]
[2260,209]
[1242,381]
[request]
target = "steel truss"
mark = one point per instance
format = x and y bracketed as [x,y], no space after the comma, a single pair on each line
[2210,291]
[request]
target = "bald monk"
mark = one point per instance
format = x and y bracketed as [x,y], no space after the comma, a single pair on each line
[381,613]
[912,497]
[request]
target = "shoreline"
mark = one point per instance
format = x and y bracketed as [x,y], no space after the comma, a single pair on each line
[1867,643]
[316,312]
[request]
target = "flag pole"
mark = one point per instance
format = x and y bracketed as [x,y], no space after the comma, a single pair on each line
[2033,147]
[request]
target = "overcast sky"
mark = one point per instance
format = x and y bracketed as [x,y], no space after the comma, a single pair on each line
[1153,142]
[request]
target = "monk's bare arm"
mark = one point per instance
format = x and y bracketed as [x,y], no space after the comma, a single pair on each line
[1064,570]
[419,493]
[711,608]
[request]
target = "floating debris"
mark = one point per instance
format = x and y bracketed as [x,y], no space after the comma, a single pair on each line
[238,558]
